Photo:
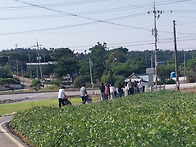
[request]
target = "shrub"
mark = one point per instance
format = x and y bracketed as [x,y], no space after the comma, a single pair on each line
[36,84]
[79,81]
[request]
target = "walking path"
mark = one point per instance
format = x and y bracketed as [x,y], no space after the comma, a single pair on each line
[7,138]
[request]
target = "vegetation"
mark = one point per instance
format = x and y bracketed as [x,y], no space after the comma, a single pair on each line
[6,78]
[107,64]
[36,84]
[16,107]
[164,118]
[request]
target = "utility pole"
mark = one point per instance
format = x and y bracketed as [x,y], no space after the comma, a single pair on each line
[184,66]
[157,14]
[176,57]
[90,65]
[39,62]
[155,42]
[17,68]
[30,66]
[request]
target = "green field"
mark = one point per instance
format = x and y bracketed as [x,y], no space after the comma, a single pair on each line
[163,118]
[15,107]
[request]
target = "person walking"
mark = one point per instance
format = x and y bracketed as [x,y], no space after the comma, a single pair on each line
[61,95]
[83,94]
[120,90]
[102,90]
[126,90]
[107,92]
[141,87]
[112,91]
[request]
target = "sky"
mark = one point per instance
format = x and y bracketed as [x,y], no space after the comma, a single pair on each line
[80,24]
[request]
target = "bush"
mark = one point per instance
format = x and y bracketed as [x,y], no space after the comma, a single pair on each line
[170,81]
[56,82]
[112,80]
[79,81]
[36,84]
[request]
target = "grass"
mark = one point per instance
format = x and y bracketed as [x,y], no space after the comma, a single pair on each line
[16,107]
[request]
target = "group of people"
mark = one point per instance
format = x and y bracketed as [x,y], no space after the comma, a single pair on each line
[109,91]
[63,100]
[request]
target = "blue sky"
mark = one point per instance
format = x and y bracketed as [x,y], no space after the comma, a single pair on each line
[80,24]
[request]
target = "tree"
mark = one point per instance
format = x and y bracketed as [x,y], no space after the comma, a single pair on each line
[66,66]
[8,81]
[84,68]
[62,53]
[164,71]
[98,56]
[4,73]
[36,84]
[79,81]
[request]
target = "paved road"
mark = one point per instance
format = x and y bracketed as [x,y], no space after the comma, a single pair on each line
[7,138]
[40,96]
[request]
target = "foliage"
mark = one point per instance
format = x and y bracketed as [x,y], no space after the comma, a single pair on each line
[165,70]
[62,53]
[8,81]
[56,82]
[48,69]
[79,81]
[98,55]
[3,60]
[170,81]
[36,84]
[116,61]
[164,118]
[118,79]
[84,68]
[191,70]
[123,69]
[4,73]
[106,79]
[66,66]
[112,79]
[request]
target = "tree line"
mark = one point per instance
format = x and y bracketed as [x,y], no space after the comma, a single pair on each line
[108,65]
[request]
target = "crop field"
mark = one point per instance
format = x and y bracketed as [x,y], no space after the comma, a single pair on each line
[164,118]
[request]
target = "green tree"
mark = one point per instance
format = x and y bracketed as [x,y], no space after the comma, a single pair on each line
[164,71]
[98,56]
[79,81]
[4,73]
[191,69]
[62,53]
[8,81]
[36,84]
[66,66]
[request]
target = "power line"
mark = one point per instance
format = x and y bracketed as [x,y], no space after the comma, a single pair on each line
[54,4]
[75,15]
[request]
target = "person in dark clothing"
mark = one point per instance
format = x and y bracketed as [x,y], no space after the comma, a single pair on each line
[102,89]
[120,90]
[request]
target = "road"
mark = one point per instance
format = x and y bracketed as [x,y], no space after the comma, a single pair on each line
[7,139]
[40,96]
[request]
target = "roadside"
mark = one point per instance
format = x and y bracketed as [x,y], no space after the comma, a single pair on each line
[7,137]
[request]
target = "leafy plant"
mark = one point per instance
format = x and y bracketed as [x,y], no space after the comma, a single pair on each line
[36,84]
[164,118]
